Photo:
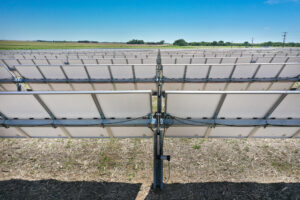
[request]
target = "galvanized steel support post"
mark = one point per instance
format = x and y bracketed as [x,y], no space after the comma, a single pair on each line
[158,138]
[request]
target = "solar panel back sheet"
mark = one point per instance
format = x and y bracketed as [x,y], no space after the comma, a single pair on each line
[66,114]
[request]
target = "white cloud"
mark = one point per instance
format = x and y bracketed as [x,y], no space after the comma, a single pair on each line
[272,2]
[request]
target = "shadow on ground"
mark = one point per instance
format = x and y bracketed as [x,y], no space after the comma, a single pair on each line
[53,189]
[228,190]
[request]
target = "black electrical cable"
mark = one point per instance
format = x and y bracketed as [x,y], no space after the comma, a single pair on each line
[197,123]
[127,120]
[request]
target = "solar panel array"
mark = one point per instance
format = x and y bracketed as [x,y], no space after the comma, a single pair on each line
[136,70]
[225,93]
[100,92]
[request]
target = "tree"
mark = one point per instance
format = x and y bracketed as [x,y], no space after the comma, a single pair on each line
[134,41]
[180,42]
[214,43]
[246,43]
[221,43]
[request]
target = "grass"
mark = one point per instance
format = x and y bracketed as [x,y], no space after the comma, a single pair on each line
[197,146]
[28,45]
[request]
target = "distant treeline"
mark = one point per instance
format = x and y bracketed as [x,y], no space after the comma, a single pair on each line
[134,41]
[63,41]
[182,42]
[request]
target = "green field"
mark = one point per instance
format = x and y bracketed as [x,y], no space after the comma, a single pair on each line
[18,45]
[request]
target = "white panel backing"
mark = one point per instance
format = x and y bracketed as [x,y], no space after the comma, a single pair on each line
[4,74]
[268,71]
[121,71]
[135,61]
[26,62]
[192,105]
[275,132]
[166,60]
[11,62]
[186,131]
[145,71]
[237,86]
[183,60]
[294,60]
[104,61]
[125,86]
[119,61]
[290,71]
[9,86]
[220,71]
[40,86]
[281,85]
[196,71]
[244,60]
[30,72]
[193,86]
[213,60]
[172,86]
[247,105]
[55,62]
[43,132]
[98,72]
[263,59]
[198,60]
[228,60]
[244,71]
[146,86]
[71,105]
[289,107]
[89,61]
[82,86]
[215,86]
[149,61]
[87,131]
[131,132]
[226,131]
[173,71]
[61,86]
[259,86]
[21,106]
[10,132]
[125,105]
[75,62]
[75,72]
[279,60]
[52,72]
[103,86]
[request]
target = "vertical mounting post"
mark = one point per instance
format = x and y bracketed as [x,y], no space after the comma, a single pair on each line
[158,133]
[158,139]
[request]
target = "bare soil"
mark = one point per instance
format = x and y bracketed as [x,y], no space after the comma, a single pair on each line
[122,169]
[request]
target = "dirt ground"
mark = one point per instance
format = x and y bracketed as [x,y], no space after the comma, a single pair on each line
[122,169]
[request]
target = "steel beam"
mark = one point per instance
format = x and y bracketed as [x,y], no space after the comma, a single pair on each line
[78,122]
[173,121]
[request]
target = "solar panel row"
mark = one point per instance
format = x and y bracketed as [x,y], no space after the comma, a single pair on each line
[198,112]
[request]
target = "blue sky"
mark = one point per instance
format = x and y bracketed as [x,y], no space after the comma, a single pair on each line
[150,20]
